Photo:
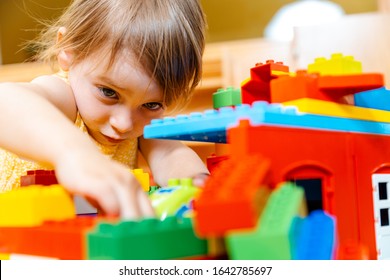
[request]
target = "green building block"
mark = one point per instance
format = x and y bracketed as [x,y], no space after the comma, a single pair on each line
[149,239]
[336,65]
[273,238]
[226,97]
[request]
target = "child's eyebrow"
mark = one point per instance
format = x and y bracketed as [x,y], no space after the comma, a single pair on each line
[110,82]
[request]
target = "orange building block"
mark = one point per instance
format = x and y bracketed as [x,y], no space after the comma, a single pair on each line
[328,88]
[62,240]
[232,196]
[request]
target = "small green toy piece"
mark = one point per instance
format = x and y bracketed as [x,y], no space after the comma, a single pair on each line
[171,200]
[226,97]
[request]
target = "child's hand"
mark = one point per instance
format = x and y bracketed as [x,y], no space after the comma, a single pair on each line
[105,181]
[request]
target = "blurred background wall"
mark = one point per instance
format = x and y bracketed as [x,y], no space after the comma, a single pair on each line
[227,19]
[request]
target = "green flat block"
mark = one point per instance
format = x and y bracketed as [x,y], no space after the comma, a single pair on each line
[149,239]
[274,237]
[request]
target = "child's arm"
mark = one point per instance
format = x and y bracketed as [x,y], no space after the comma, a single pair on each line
[37,123]
[172,159]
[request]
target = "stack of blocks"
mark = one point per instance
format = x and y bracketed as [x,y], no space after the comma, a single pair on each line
[287,189]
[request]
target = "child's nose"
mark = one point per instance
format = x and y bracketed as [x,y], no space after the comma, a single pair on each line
[122,120]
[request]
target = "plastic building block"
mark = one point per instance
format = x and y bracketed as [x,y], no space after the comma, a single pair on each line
[38,177]
[33,205]
[233,197]
[61,240]
[375,99]
[142,177]
[226,97]
[327,108]
[328,88]
[168,201]
[273,237]
[147,239]
[211,126]
[316,237]
[338,64]
[257,87]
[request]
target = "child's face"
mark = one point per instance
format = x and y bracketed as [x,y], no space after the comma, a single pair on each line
[117,103]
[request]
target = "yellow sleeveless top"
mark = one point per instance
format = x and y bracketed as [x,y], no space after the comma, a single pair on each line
[12,167]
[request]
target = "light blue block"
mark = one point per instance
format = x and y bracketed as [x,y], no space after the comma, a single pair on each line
[211,125]
[374,99]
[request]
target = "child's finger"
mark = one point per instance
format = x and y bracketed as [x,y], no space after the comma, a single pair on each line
[127,198]
[145,204]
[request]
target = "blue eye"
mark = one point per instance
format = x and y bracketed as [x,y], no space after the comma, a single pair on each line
[153,106]
[107,92]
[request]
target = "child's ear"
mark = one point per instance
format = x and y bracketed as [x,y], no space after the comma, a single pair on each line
[64,57]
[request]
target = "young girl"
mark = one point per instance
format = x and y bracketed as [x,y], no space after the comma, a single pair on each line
[121,64]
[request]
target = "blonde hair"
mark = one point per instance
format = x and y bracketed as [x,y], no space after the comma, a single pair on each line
[167,36]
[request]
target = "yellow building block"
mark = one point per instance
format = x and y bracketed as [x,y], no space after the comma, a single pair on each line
[336,65]
[327,108]
[4,257]
[142,177]
[31,206]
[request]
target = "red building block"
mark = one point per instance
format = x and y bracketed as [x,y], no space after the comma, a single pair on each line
[38,177]
[232,196]
[304,155]
[258,86]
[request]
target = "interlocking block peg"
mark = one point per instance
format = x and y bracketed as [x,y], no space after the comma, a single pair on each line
[149,239]
[32,206]
[226,97]
[233,197]
[274,237]
[142,177]
[338,64]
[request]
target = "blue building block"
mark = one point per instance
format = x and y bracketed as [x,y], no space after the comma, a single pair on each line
[375,99]
[211,126]
[316,239]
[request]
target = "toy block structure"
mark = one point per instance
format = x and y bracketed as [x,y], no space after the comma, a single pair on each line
[339,157]
[149,239]
[258,87]
[174,199]
[38,177]
[27,207]
[316,238]
[225,204]
[62,240]
[274,237]
[227,97]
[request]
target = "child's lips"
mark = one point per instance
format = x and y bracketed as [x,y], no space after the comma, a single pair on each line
[113,140]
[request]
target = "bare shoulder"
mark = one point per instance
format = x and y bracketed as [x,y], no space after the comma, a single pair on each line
[58,92]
